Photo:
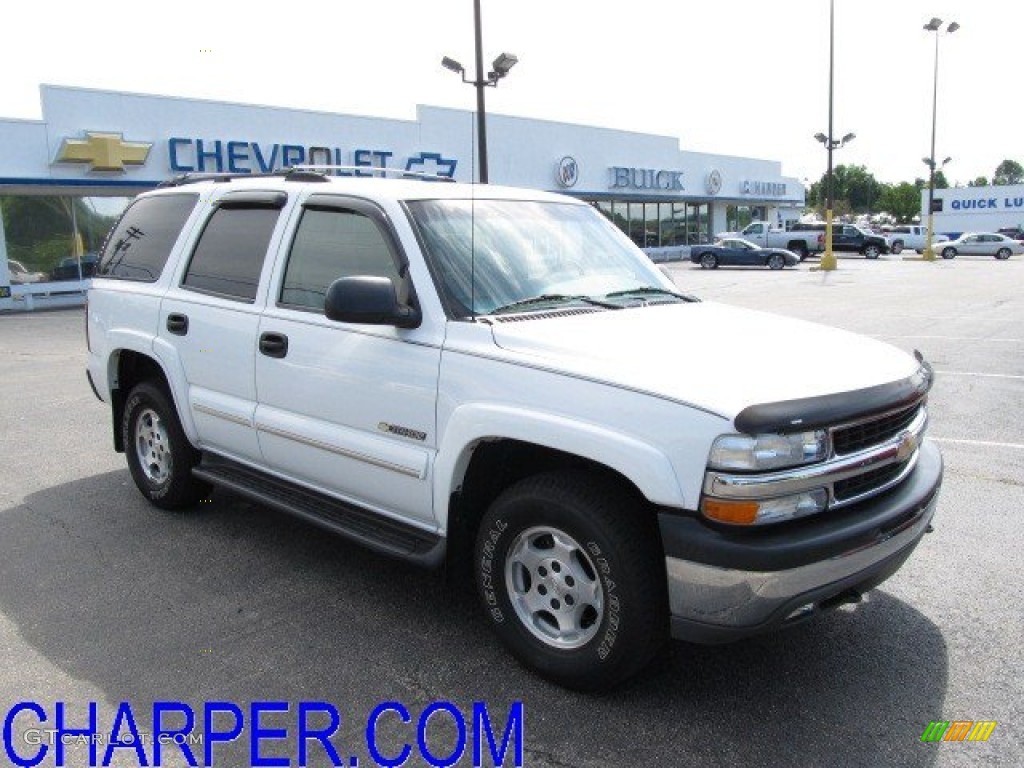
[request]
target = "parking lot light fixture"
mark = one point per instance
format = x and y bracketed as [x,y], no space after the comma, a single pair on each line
[500,69]
[828,258]
[935,25]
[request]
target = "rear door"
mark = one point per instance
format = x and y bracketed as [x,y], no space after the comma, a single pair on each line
[210,317]
[345,408]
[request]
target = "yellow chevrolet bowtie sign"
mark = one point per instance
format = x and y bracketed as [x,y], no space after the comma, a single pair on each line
[105,151]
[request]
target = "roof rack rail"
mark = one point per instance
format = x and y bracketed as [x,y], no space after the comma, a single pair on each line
[292,173]
[367,170]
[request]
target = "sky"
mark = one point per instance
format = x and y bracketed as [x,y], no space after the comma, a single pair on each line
[733,77]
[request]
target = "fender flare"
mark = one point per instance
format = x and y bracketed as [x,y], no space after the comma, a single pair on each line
[166,358]
[469,425]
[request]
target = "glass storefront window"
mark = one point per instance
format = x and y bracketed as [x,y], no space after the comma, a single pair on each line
[52,239]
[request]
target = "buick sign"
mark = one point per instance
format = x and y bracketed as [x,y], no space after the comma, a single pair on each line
[568,172]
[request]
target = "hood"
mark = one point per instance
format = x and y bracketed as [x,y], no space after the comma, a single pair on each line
[716,357]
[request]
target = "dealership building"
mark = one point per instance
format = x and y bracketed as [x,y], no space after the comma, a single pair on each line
[65,178]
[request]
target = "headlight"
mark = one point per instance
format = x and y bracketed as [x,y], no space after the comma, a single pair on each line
[762,452]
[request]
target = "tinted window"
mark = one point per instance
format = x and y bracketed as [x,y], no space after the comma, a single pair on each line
[329,245]
[138,246]
[229,256]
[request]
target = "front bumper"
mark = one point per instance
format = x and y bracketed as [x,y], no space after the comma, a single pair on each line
[724,585]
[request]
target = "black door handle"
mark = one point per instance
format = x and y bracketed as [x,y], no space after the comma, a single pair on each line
[177,324]
[273,344]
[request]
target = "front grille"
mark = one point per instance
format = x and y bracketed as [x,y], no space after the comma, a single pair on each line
[870,481]
[857,437]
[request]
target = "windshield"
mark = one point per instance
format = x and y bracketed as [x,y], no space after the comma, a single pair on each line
[489,255]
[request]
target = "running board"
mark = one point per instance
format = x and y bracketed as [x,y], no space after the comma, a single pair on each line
[370,529]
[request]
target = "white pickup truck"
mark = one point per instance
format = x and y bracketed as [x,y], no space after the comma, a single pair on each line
[498,380]
[912,236]
[803,244]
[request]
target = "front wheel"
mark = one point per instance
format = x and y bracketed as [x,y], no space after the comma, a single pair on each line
[776,261]
[709,261]
[897,247]
[948,253]
[1003,254]
[160,457]
[572,578]
[871,252]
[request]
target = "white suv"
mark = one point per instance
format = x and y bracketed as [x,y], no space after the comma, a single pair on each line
[499,379]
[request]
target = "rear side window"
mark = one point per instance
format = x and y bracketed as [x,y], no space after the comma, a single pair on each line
[138,246]
[228,258]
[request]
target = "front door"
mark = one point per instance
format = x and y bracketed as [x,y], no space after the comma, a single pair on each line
[347,409]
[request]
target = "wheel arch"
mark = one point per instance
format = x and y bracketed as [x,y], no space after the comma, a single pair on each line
[128,367]
[475,465]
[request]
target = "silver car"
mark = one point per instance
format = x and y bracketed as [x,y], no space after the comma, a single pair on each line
[982,244]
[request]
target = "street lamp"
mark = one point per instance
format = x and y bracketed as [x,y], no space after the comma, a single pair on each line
[934,26]
[500,68]
[828,259]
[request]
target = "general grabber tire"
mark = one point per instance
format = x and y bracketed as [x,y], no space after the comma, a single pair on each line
[572,578]
[159,455]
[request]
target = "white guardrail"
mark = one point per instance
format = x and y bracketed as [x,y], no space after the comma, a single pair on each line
[31,296]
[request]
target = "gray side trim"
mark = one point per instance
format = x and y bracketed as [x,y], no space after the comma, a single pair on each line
[399,468]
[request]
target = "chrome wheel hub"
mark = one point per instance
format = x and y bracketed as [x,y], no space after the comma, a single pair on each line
[554,587]
[152,446]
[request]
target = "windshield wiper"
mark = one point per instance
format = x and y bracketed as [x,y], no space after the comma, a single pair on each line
[553,298]
[650,289]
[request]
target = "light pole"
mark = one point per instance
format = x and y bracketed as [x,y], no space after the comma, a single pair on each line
[501,67]
[934,26]
[828,259]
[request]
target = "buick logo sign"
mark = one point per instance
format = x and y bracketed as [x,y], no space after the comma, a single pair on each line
[568,172]
[713,182]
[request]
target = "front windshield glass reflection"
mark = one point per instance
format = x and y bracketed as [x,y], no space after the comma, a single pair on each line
[488,254]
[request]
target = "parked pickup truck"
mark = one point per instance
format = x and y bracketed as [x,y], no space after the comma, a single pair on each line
[849,238]
[802,244]
[912,236]
[498,381]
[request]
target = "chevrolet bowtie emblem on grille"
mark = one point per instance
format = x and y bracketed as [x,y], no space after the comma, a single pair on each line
[105,151]
[908,444]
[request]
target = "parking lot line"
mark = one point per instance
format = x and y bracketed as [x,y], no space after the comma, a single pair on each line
[949,338]
[982,443]
[983,375]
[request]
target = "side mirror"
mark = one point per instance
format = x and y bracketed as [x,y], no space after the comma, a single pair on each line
[369,300]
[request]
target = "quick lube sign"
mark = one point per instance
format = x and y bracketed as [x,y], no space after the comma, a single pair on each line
[988,204]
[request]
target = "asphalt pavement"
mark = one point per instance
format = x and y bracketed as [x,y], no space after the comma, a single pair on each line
[104,599]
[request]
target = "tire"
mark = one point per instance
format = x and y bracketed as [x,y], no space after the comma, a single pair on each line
[776,261]
[571,575]
[897,247]
[1003,254]
[160,457]
[708,261]
[800,249]
[871,251]
[948,253]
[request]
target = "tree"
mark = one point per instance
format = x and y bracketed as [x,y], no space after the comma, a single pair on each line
[940,180]
[1008,172]
[854,190]
[902,200]
[981,181]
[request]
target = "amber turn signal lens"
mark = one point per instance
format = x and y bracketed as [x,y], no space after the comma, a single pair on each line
[735,512]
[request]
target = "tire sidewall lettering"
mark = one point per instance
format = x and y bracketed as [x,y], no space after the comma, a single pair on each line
[488,550]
